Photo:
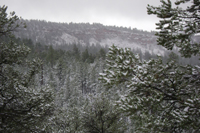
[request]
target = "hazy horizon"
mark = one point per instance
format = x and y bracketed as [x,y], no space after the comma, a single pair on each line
[119,13]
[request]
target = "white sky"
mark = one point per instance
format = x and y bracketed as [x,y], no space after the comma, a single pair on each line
[126,13]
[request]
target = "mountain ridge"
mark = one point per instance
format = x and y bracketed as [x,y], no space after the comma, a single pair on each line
[56,34]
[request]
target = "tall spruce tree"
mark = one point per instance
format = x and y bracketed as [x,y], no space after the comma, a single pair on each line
[24,107]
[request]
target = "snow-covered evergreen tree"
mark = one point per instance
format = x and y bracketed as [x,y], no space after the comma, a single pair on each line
[160,98]
[24,107]
[179,23]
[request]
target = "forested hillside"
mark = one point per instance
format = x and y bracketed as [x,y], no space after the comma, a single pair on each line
[64,34]
[94,37]
[90,78]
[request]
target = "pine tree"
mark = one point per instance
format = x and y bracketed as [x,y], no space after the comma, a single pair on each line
[178,25]
[24,107]
[51,56]
[102,53]
[85,55]
[76,52]
[161,98]
[100,116]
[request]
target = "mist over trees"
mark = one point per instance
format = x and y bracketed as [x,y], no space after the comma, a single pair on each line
[95,89]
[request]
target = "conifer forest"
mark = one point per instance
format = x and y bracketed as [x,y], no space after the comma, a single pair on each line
[51,82]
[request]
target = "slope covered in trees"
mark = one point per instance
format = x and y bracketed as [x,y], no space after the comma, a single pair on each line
[48,88]
[64,35]
[51,90]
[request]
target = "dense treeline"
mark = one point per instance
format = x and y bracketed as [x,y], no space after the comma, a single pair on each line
[52,54]
[71,79]
[76,88]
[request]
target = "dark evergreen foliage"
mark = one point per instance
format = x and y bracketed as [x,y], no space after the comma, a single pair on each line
[177,25]
[55,88]
[161,97]
[24,107]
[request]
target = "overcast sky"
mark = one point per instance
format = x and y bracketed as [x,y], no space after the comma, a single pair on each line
[126,13]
